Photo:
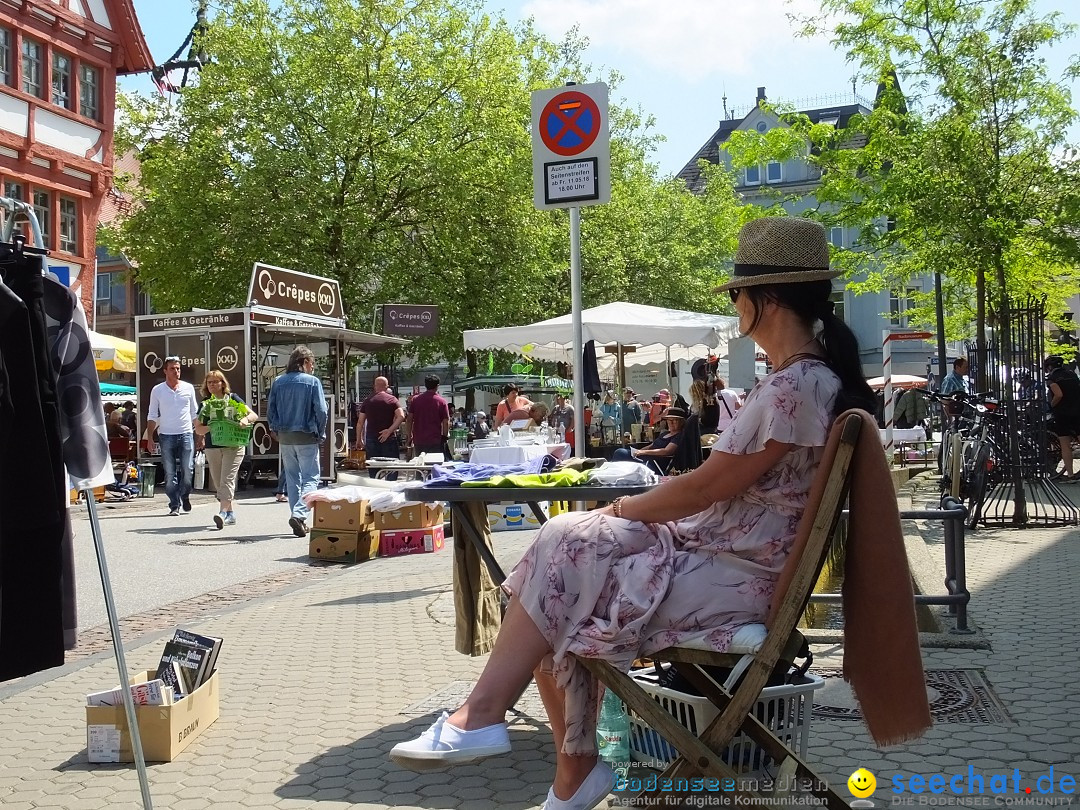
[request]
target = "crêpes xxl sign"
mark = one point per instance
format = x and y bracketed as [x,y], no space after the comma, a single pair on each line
[290,292]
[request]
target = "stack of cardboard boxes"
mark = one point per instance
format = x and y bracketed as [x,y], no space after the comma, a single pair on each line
[414,529]
[343,531]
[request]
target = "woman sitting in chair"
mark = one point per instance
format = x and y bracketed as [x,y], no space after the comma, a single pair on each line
[693,559]
[663,447]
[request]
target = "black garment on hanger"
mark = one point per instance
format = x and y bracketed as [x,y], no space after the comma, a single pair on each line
[32,486]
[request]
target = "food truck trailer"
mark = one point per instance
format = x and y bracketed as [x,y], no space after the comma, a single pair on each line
[251,345]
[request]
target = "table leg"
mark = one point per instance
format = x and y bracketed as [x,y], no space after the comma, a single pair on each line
[477,540]
[536,510]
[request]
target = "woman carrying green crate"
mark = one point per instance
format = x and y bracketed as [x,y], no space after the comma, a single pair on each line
[225,420]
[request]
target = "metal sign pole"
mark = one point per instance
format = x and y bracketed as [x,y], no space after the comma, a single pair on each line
[579,344]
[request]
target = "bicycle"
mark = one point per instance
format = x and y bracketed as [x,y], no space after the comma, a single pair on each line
[969,450]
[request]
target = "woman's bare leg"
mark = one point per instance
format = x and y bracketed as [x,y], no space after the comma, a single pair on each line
[570,770]
[518,650]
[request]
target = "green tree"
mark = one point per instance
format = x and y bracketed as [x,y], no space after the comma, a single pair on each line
[972,181]
[386,144]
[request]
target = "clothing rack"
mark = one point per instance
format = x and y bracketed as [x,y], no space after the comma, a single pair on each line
[18,243]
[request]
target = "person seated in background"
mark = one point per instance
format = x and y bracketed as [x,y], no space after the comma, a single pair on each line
[538,416]
[115,428]
[664,446]
[480,428]
[128,418]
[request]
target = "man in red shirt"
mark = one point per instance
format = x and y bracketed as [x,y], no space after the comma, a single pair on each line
[376,426]
[428,421]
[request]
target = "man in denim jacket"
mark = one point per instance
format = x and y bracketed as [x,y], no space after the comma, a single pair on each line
[296,412]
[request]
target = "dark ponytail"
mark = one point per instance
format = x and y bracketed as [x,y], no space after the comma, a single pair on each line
[810,301]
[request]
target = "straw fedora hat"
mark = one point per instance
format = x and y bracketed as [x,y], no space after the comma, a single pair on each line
[780,250]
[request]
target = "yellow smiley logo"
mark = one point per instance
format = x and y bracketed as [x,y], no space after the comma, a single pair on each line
[862,783]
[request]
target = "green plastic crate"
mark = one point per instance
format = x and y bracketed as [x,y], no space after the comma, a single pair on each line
[224,433]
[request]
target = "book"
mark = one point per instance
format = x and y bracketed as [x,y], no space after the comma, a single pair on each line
[149,693]
[192,659]
[173,677]
[212,642]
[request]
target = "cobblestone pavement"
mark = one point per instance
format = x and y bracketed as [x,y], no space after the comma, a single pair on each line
[320,677]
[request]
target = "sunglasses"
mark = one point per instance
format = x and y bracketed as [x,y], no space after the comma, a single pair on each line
[734,293]
[172,358]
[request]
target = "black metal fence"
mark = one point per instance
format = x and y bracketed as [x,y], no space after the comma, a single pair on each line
[1021,492]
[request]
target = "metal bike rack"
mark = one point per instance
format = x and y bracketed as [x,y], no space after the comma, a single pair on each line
[952,514]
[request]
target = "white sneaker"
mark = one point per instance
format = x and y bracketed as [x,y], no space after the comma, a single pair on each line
[596,787]
[447,744]
[219,520]
[230,519]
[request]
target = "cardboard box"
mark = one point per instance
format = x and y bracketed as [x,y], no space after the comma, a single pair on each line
[99,495]
[165,731]
[341,515]
[417,516]
[513,516]
[411,541]
[345,547]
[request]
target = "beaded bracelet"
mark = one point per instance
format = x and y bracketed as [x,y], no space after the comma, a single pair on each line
[616,506]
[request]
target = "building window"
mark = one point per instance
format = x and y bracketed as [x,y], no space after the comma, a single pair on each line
[111,293]
[31,67]
[900,302]
[761,127]
[753,175]
[61,80]
[69,225]
[89,82]
[13,190]
[42,210]
[5,56]
[773,172]
[837,298]
[836,236]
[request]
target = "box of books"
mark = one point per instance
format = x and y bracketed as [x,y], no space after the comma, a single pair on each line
[395,542]
[341,515]
[415,516]
[342,546]
[165,730]
[504,517]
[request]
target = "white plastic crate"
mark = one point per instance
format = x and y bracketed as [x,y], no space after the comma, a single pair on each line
[784,709]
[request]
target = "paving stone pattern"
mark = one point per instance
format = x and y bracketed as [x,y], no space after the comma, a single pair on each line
[317,682]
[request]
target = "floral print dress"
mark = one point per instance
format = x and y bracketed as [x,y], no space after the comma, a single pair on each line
[605,587]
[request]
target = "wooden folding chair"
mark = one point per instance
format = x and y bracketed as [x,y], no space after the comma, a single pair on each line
[702,755]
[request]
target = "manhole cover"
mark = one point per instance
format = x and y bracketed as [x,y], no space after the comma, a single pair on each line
[212,541]
[956,696]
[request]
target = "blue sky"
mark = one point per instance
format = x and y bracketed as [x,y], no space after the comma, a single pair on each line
[678,58]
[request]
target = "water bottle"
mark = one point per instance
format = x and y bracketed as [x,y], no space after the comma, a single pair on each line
[613,731]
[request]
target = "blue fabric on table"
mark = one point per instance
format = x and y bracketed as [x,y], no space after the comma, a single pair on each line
[443,476]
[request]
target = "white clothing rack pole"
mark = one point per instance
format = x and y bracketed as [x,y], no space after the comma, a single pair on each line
[118,649]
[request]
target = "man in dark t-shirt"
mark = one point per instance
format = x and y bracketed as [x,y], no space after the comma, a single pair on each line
[429,418]
[380,417]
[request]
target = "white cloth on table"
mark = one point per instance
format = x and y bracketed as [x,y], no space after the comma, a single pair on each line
[517,453]
[622,473]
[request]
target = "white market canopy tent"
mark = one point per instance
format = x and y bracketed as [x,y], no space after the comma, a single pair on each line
[615,323]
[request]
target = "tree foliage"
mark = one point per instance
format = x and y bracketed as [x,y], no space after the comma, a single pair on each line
[386,144]
[963,166]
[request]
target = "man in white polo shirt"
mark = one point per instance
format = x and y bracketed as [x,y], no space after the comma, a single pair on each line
[172,412]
